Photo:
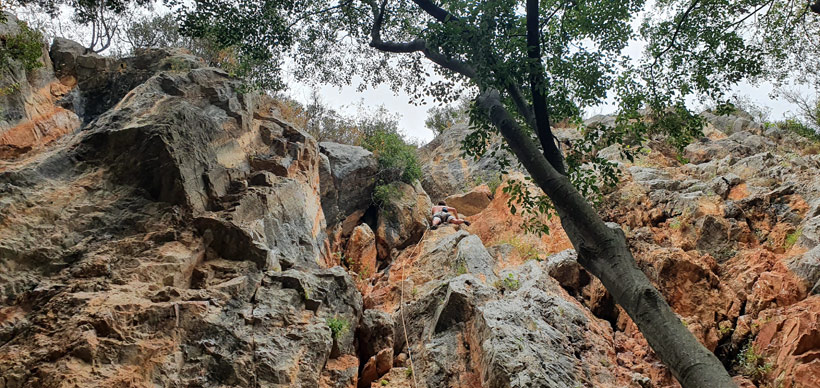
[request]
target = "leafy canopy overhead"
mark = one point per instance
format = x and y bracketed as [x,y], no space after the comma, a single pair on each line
[693,47]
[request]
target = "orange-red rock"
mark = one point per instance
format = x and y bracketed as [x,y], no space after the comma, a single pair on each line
[360,253]
[471,202]
[791,341]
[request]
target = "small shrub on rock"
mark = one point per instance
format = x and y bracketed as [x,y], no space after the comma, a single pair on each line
[385,192]
[799,128]
[753,364]
[26,47]
[510,283]
[397,159]
[338,326]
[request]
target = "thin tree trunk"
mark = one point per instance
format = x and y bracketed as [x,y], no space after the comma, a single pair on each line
[538,89]
[603,251]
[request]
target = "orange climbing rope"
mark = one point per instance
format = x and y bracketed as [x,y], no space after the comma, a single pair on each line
[401,311]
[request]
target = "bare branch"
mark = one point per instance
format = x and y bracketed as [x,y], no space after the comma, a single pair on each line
[416,45]
[304,16]
[677,31]
[435,11]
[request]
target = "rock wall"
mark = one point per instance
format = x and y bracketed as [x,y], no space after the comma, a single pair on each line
[181,234]
[446,173]
[729,238]
[31,115]
[177,240]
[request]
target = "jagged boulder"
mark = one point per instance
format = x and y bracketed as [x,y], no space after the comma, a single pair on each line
[503,329]
[201,148]
[713,238]
[564,268]
[807,267]
[103,81]
[472,202]
[790,337]
[810,231]
[467,333]
[472,257]
[375,333]
[360,252]
[445,172]
[348,175]
[740,144]
[403,219]
[246,341]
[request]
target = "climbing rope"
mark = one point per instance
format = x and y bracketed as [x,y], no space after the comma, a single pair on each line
[401,311]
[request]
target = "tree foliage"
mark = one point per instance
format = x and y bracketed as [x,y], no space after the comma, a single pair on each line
[25,46]
[441,117]
[103,17]
[397,159]
[808,111]
[155,31]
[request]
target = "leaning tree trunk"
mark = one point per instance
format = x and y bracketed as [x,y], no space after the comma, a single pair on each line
[603,251]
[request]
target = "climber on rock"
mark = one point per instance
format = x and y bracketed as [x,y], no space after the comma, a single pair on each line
[443,214]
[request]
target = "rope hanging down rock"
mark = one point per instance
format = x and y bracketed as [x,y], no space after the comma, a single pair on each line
[401,312]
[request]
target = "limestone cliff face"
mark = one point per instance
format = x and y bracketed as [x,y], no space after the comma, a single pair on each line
[181,233]
[30,115]
[177,239]
[729,238]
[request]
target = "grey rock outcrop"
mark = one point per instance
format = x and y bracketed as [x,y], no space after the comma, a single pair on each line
[103,81]
[403,219]
[30,116]
[564,268]
[807,267]
[446,173]
[465,331]
[177,240]
[348,175]
[207,169]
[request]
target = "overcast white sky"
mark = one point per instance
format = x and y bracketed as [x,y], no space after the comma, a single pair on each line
[412,116]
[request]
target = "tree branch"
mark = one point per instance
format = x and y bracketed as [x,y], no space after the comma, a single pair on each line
[604,252]
[538,89]
[416,45]
[520,103]
[435,11]
[677,31]
[304,16]
[529,113]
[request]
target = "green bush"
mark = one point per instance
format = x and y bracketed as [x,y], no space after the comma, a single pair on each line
[441,118]
[338,326]
[798,128]
[397,159]
[510,283]
[384,193]
[26,47]
[792,238]
[753,364]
